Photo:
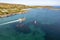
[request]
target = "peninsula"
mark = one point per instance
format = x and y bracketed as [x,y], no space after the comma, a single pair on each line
[7,9]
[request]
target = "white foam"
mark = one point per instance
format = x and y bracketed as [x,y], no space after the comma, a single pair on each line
[9,22]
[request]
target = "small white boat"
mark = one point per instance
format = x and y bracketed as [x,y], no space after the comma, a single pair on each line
[35,21]
[22,20]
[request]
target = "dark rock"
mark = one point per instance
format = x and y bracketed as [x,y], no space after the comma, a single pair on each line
[23,28]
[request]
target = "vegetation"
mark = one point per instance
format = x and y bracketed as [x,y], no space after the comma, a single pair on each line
[11,9]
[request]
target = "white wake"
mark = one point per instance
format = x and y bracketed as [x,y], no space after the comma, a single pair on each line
[9,22]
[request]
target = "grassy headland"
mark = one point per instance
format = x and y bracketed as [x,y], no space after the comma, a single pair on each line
[7,9]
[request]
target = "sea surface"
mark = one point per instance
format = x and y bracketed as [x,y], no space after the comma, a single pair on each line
[40,24]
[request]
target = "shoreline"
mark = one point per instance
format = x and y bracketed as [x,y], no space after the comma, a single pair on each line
[11,14]
[54,8]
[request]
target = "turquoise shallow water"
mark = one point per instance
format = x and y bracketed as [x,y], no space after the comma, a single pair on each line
[47,25]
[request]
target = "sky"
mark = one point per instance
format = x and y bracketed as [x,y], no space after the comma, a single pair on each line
[33,2]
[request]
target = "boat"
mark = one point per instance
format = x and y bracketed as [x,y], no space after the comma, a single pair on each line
[22,20]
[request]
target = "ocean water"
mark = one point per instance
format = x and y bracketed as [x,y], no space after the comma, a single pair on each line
[47,26]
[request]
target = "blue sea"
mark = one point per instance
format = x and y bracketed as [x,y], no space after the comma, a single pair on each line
[47,26]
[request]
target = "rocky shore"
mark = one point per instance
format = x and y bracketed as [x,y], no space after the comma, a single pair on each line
[11,14]
[7,9]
